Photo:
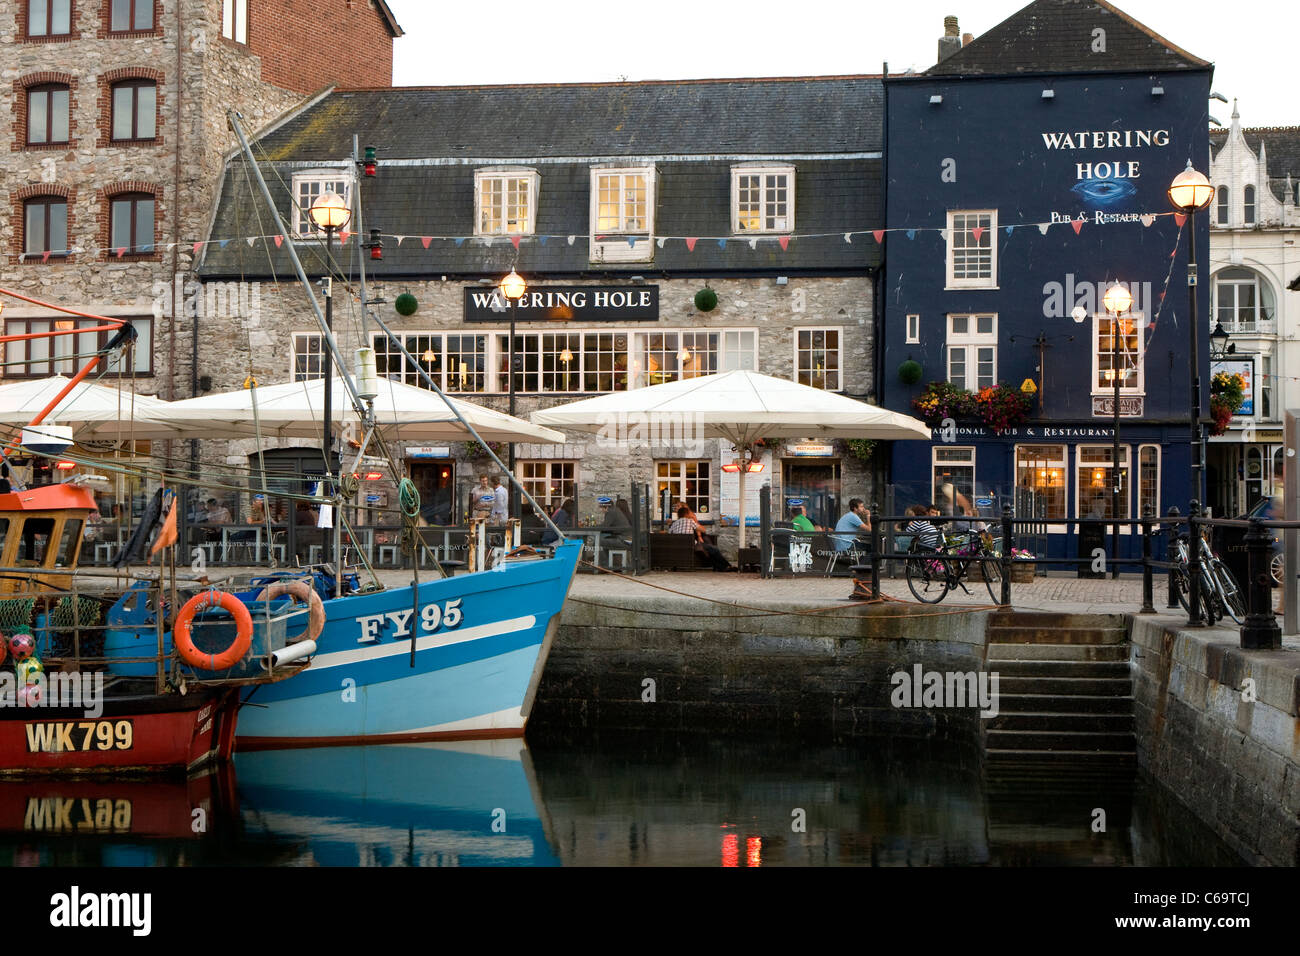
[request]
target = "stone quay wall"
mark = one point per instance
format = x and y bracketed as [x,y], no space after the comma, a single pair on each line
[1229,749]
[720,668]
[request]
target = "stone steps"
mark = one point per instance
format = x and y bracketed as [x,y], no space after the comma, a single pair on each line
[1065,697]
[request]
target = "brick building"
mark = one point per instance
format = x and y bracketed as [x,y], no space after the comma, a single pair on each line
[618,203]
[117,143]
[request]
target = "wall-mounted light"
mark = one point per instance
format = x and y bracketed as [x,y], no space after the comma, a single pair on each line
[782,280]
[1049,94]
[935,99]
[1157,90]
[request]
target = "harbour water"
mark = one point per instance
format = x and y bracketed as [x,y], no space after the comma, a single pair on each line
[599,800]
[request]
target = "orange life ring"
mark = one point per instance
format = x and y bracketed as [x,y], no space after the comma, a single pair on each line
[305,593]
[233,654]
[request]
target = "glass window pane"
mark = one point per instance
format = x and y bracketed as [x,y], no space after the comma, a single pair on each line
[35,228]
[144,222]
[58,227]
[143,14]
[120,233]
[123,99]
[37,18]
[241,21]
[146,110]
[37,116]
[61,17]
[121,19]
[58,116]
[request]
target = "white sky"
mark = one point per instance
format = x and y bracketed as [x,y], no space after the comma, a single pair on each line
[1250,42]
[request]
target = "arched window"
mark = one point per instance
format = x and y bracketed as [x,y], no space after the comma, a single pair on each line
[1250,205]
[1242,300]
[45,222]
[47,114]
[135,110]
[1223,206]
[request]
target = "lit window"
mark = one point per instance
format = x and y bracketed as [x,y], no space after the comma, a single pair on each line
[47,114]
[1094,481]
[131,223]
[817,358]
[49,18]
[234,20]
[622,214]
[310,186]
[1040,482]
[135,110]
[762,200]
[972,351]
[1122,353]
[46,226]
[685,481]
[128,15]
[972,255]
[505,201]
[308,356]
[551,483]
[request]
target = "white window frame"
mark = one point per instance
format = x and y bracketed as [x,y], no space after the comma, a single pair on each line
[234,20]
[913,329]
[677,483]
[300,343]
[936,451]
[1060,464]
[545,498]
[1139,336]
[784,224]
[611,245]
[970,343]
[1137,487]
[797,352]
[990,231]
[1264,316]
[325,178]
[504,176]
[1126,468]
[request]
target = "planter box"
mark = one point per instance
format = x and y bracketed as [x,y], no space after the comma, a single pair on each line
[1022,572]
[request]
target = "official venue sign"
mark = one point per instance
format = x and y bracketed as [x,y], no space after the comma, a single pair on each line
[566,303]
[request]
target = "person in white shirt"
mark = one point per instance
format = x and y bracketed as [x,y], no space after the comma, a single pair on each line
[500,504]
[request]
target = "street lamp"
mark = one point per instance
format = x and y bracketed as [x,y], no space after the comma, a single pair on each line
[330,213]
[1190,192]
[1219,342]
[512,287]
[1117,301]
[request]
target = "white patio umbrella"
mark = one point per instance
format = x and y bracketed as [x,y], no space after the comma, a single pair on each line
[295,410]
[741,407]
[91,409]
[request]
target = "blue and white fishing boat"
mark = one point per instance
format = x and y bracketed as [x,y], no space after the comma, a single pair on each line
[450,658]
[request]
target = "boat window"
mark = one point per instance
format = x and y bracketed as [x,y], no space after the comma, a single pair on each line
[71,545]
[35,541]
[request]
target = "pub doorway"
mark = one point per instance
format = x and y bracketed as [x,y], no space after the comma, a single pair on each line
[436,483]
[817,482]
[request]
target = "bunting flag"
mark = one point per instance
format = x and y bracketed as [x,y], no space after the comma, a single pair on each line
[660,241]
[690,243]
[121,250]
[222,243]
[1009,228]
[514,241]
[460,241]
[425,240]
[785,243]
[880,236]
[1148,219]
[943,234]
[251,240]
[488,240]
[199,245]
[848,237]
[571,238]
[148,247]
[722,243]
[631,242]
[977,232]
[279,241]
[343,235]
[1076,224]
[1180,219]
[753,243]
[1043,227]
[541,240]
[45,256]
[911,233]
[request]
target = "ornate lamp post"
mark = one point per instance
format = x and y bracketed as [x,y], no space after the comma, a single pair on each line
[512,287]
[330,213]
[1190,192]
[1117,301]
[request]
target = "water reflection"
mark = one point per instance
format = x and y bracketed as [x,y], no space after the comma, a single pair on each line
[608,801]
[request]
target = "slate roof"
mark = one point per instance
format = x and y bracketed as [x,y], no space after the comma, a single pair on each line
[389,19]
[1056,36]
[1283,152]
[431,142]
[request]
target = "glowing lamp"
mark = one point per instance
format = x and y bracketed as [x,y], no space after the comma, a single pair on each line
[373,475]
[1117,299]
[368,163]
[1190,190]
[65,465]
[329,212]
[755,467]
[731,467]
[513,285]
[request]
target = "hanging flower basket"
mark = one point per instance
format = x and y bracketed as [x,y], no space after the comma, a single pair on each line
[1002,407]
[1227,395]
[940,400]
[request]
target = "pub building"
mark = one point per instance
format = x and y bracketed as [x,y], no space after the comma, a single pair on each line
[1027,172]
[663,230]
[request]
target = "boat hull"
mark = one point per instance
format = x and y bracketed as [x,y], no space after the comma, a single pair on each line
[135,732]
[481,642]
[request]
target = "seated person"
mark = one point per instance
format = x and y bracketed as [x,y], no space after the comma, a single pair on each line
[685,524]
[856,520]
[563,517]
[615,524]
[800,520]
[923,533]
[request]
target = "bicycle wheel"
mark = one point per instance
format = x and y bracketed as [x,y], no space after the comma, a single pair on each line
[1182,580]
[1275,568]
[1211,603]
[992,571]
[927,578]
[1229,594]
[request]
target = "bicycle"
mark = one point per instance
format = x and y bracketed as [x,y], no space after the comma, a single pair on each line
[1220,595]
[933,572]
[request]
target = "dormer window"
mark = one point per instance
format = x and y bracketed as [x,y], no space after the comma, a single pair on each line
[622,214]
[310,186]
[762,199]
[505,201]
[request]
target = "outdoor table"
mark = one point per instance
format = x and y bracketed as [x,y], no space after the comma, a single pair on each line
[228,541]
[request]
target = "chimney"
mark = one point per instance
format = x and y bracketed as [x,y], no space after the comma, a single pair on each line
[950,42]
[966,38]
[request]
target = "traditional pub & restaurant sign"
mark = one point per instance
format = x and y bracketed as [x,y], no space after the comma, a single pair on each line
[566,303]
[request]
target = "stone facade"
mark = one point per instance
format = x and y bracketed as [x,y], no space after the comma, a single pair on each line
[198,76]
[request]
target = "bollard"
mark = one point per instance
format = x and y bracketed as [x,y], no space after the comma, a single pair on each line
[1148,592]
[1194,616]
[1172,535]
[1006,556]
[877,544]
[1261,631]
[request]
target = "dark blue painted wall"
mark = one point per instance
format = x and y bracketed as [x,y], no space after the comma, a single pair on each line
[992,130]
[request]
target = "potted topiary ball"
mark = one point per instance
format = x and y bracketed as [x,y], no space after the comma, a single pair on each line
[406,304]
[706,300]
